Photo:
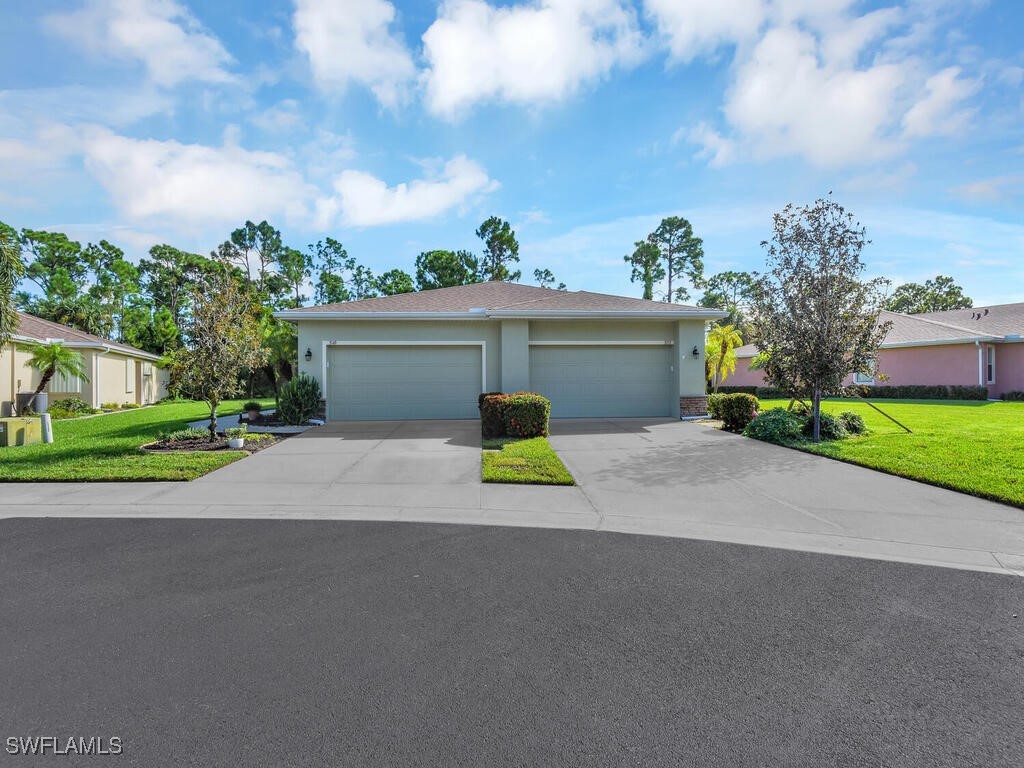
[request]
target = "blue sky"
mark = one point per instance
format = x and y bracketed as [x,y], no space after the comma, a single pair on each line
[398,127]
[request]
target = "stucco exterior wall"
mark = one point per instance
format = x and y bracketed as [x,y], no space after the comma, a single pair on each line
[1009,369]
[111,376]
[508,343]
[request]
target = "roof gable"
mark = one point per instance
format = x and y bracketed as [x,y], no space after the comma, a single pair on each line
[496,296]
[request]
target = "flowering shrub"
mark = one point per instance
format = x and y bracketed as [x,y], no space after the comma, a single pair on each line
[492,418]
[738,410]
[526,414]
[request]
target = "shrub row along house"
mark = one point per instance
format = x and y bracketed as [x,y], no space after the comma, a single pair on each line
[983,346]
[117,373]
[428,355]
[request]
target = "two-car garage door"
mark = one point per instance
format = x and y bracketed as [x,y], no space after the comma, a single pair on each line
[603,380]
[442,382]
[403,382]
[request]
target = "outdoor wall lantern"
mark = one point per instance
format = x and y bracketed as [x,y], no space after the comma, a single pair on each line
[695,353]
[309,354]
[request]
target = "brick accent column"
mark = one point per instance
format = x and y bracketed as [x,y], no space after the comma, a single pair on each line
[693,405]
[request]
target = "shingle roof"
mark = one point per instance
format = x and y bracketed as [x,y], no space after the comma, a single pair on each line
[496,296]
[944,327]
[998,319]
[38,329]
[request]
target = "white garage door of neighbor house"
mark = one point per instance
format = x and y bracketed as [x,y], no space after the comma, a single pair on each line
[398,382]
[603,380]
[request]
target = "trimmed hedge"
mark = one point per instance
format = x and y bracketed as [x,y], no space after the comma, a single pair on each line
[715,405]
[884,391]
[924,392]
[763,393]
[1015,396]
[492,419]
[522,414]
[738,410]
[526,414]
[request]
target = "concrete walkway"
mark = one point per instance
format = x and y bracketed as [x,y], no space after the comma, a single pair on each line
[656,476]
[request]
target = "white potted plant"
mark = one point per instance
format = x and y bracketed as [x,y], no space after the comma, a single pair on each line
[236,437]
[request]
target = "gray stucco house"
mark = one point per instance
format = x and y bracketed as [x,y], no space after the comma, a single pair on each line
[427,355]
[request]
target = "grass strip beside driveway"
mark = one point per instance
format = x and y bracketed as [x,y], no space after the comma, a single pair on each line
[528,462]
[971,446]
[107,447]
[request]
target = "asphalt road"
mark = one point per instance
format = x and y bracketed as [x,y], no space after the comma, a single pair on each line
[281,643]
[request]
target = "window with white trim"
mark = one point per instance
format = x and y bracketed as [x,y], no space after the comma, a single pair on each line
[990,364]
[866,378]
[65,383]
[129,375]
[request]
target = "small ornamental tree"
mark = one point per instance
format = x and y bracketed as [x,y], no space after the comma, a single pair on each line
[51,360]
[224,340]
[813,314]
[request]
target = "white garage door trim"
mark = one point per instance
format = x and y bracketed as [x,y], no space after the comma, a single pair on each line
[653,343]
[340,343]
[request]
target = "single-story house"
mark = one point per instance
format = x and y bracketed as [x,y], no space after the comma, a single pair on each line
[966,347]
[428,355]
[118,373]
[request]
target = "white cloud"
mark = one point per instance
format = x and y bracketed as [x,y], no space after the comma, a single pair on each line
[693,27]
[814,79]
[786,100]
[938,112]
[363,200]
[161,34]
[351,42]
[191,184]
[995,190]
[541,51]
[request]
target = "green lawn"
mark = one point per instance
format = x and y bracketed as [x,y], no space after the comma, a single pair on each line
[971,446]
[107,447]
[529,462]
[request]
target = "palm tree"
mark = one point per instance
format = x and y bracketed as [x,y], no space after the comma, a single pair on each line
[11,270]
[721,352]
[51,359]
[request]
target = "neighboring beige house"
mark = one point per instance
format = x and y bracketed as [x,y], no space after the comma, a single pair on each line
[428,355]
[117,373]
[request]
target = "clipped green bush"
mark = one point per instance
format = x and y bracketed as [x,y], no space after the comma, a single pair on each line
[738,410]
[492,418]
[1014,396]
[299,400]
[252,405]
[526,414]
[831,427]
[129,406]
[923,392]
[776,426]
[715,405]
[852,422]
[189,433]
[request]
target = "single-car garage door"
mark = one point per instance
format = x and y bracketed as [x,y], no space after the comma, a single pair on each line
[603,380]
[403,382]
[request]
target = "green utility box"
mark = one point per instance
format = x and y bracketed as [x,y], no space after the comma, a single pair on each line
[20,431]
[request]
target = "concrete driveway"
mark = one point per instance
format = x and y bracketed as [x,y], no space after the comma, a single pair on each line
[651,476]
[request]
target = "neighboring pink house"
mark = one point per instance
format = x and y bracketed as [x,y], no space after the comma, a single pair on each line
[983,346]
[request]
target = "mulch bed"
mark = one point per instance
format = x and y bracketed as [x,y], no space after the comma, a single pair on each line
[192,446]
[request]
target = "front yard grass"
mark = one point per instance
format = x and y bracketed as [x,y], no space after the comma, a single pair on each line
[971,446]
[107,447]
[530,462]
